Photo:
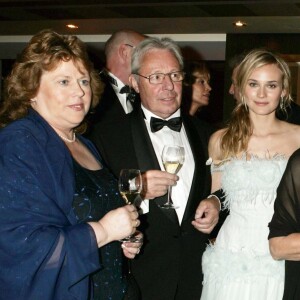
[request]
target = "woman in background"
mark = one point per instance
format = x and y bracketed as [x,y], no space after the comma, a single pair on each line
[196,87]
[61,213]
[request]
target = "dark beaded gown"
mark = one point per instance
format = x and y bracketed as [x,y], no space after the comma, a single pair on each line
[96,194]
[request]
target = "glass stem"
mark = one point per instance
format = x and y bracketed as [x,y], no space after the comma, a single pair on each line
[169,195]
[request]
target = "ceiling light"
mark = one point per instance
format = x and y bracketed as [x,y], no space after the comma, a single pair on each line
[72,26]
[239,24]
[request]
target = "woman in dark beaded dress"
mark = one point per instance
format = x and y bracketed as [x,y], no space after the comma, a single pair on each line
[61,214]
[96,194]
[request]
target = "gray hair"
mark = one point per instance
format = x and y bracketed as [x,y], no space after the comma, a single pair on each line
[152,43]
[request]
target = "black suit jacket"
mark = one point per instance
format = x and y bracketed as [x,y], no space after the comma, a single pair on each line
[109,108]
[169,265]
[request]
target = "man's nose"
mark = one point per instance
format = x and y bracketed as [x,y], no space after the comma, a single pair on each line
[168,83]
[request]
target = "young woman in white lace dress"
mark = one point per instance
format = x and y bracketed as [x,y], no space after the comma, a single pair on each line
[248,159]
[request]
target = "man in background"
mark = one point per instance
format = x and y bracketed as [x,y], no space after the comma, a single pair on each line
[117,99]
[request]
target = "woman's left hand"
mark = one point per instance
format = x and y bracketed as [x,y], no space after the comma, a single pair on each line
[130,250]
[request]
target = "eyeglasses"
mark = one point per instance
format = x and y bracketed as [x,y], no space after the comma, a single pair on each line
[129,45]
[158,78]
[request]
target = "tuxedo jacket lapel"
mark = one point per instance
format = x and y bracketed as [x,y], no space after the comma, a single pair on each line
[199,183]
[109,109]
[109,99]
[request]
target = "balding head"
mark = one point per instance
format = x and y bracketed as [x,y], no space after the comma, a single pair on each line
[118,50]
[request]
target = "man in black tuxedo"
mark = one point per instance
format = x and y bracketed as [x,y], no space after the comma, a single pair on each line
[169,264]
[115,102]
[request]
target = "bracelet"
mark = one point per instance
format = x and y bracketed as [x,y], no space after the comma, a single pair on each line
[215,196]
[219,194]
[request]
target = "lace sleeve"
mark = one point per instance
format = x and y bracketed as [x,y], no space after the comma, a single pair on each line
[286,218]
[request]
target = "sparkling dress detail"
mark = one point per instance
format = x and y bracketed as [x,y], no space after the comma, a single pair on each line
[239,265]
[96,193]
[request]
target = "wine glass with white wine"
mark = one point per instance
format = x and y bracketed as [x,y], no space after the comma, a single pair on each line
[172,158]
[130,187]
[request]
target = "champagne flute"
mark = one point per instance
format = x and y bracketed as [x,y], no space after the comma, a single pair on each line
[172,158]
[130,186]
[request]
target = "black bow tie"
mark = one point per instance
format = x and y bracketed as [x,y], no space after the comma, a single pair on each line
[129,91]
[125,89]
[157,124]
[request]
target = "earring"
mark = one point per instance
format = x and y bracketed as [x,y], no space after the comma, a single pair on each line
[244,103]
[281,103]
[32,101]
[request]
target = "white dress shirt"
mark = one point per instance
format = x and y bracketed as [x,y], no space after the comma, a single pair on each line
[166,136]
[127,106]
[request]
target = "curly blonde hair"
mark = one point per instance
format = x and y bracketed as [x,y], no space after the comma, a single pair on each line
[43,53]
[239,129]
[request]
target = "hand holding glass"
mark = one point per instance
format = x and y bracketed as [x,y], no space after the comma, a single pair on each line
[172,158]
[130,186]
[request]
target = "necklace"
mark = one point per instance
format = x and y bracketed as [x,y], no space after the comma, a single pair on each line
[68,140]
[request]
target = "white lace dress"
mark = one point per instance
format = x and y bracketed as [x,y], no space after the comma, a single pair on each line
[239,265]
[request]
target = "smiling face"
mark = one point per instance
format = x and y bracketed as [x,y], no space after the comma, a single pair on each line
[264,89]
[161,99]
[201,90]
[64,95]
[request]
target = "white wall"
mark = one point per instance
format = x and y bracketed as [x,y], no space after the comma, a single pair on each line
[202,46]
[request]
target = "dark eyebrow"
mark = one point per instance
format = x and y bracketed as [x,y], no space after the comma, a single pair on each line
[269,81]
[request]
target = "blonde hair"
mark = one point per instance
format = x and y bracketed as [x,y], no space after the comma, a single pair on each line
[239,129]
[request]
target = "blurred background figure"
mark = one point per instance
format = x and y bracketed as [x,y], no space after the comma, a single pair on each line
[196,87]
[234,64]
[117,99]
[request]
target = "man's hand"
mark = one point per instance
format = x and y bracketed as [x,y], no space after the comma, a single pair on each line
[207,215]
[156,183]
